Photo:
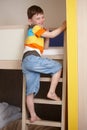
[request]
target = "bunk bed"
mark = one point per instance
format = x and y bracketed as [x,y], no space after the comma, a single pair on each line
[11,48]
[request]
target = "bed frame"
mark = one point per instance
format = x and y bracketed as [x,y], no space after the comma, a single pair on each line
[11,48]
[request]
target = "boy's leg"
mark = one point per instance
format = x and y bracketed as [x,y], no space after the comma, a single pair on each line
[55,79]
[46,66]
[32,82]
[30,106]
[32,88]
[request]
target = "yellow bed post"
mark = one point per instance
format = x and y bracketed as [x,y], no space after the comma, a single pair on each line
[71,17]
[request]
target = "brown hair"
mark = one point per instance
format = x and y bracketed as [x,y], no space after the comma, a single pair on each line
[34,10]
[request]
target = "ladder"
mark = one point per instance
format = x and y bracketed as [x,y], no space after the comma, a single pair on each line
[62,103]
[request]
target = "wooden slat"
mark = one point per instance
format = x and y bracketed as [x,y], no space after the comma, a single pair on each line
[10,64]
[58,57]
[48,79]
[45,123]
[46,101]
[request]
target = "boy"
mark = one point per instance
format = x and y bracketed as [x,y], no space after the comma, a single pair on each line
[33,64]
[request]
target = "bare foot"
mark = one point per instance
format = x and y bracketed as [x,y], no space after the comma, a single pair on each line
[35,118]
[53,96]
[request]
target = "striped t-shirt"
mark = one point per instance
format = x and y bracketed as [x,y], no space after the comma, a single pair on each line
[34,39]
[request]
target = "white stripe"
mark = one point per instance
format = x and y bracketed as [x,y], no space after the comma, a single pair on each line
[30,49]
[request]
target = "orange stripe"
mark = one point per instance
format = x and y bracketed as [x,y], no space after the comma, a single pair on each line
[39,32]
[35,46]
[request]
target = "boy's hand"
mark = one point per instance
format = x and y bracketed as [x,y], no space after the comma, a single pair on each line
[64,24]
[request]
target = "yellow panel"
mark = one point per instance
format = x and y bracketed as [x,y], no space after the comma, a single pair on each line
[71,16]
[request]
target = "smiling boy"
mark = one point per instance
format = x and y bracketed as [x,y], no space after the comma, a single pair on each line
[33,64]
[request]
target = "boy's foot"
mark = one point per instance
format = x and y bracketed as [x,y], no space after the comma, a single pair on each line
[35,118]
[53,96]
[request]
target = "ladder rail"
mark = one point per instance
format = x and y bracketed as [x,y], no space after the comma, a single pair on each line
[64,87]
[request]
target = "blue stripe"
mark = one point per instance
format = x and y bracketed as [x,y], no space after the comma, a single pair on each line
[30,33]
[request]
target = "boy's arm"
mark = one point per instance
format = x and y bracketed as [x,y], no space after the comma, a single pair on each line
[46,43]
[55,32]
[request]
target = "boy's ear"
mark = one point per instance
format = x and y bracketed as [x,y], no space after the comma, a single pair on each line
[30,22]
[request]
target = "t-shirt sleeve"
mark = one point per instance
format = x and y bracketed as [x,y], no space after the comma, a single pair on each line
[38,31]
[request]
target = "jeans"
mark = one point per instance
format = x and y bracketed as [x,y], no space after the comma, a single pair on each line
[32,66]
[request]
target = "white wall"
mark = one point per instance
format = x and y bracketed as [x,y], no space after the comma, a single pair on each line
[82,63]
[13,12]
[11,43]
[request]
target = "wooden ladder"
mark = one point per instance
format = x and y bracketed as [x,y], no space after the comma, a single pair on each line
[61,103]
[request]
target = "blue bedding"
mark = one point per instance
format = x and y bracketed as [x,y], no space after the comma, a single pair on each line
[57,41]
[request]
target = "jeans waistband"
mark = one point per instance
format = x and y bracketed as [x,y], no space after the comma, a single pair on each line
[30,53]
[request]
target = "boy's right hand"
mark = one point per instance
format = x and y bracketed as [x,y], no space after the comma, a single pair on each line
[64,24]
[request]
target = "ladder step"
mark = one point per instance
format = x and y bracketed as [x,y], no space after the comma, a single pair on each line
[58,57]
[46,101]
[45,123]
[48,79]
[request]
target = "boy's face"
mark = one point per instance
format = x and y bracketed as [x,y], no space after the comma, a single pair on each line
[37,19]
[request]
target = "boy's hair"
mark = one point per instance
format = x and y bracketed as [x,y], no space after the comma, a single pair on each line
[34,10]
